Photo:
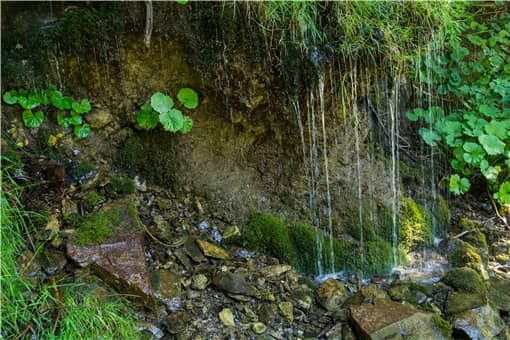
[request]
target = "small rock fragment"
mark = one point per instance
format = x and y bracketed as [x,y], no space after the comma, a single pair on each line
[258,327]
[331,294]
[227,317]
[287,310]
[211,250]
[199,282]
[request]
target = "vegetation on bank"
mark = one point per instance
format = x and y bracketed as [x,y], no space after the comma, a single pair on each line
[52,307]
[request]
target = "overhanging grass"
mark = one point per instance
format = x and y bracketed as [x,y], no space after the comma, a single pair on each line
[27,309]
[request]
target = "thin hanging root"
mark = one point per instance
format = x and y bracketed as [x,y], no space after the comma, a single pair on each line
[148,23]
[501,218]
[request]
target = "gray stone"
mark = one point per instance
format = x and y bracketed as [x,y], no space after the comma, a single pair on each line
[479,323]
[233,283]
[332,294]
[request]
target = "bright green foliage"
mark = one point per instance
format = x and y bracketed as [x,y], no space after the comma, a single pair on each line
[33,119]
[459,185]
[51,98]
[161,109]
[503,194]
[97,227]
[147,118]
[188,97]
[475,75]
[465,255]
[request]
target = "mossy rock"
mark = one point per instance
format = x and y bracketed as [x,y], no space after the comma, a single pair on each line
[474,235]
[459,301]
[443,325]
[465,280]
[97,227]
[465,255]
[415,226]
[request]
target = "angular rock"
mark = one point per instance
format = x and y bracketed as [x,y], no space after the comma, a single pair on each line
[479,323]
[120,262]
[233,283]
[193,251]
[332,294]
[199,282]
[258,327]
[275,270]
[499,294]
[177,323]
[287,310]
[458,302]
[211,250]
[392,320]
[167,288]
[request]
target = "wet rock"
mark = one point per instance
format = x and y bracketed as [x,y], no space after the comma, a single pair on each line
[204,225]
[499,294]
[227,317]
[177,323]
[420,297]
[267,312]
[231,232]
[211,250]
[458,302]
[275,270]
[287,310]
[258,328]
[479,323]
[99,118]
[233,283]
[167,288]
[120,262]
[191,248]
[199,282]
[331,294]
[388,319]
[140,185]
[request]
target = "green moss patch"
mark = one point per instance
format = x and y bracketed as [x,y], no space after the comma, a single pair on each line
[465,280]
[465,255]
[97,227]
[120,186]
[415,226]
[297,245]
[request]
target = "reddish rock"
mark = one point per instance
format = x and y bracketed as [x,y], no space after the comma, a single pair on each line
[120,261]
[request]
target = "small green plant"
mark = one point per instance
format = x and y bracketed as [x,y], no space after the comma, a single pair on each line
[161,110]
[69,112]
[475,76]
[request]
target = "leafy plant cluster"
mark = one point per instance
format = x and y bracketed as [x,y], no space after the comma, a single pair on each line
[475,75]
[70,112]
[161,110]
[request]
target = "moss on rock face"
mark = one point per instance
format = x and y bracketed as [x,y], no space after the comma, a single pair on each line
[97,227]
[415,225]
[298,245]
[475,235]
[465,255]
[465,280]
[150,154]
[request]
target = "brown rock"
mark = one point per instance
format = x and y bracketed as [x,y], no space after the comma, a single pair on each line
[233,283]
[99,118]
[191,248]
[332,294]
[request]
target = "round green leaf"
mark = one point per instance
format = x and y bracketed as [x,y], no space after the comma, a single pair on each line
[459,185]
[82,131]
[62,120]
[161,103]
[496,128]
[81,107]
[146,118]
[492,144]
[503,194]
[188,97]
[172,120]
[187,124]
[10,97]
[429,136]
[474,153]
[33,120]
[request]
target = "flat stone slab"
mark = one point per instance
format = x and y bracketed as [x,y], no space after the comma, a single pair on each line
[393,320]
[120,262]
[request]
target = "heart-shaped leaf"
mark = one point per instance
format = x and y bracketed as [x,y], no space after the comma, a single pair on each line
[429,136]
[188,97]
[31,119]
[75,120]
[172,120]
[459,185]
[29,103]
[161,102]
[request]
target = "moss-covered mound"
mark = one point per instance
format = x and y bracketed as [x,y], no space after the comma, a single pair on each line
[465,280]
[415,226]
[465,255]
[304,247]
